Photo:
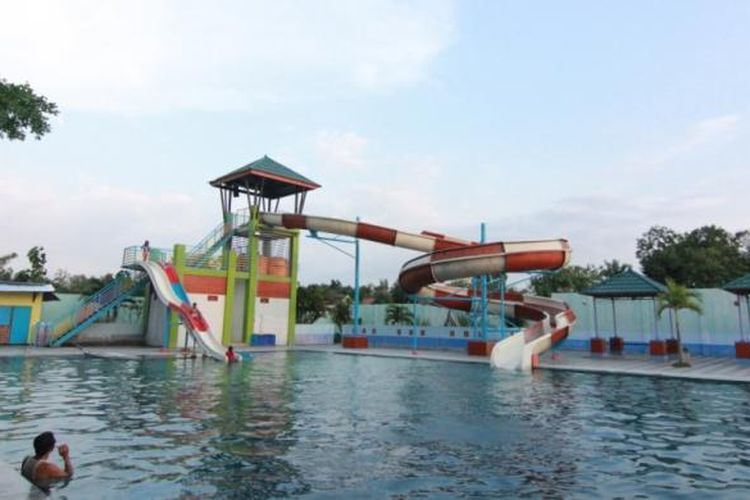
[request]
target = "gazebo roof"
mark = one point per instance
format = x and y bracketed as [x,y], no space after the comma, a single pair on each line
[740,286]
[628,284]
[265,177]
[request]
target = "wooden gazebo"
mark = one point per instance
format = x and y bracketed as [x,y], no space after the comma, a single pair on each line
[741,288]
[626,285]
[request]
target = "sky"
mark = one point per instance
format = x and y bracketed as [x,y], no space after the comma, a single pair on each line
[585,120]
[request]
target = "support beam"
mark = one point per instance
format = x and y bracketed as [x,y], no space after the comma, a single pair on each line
[294,271]
[252,275]
[226,332]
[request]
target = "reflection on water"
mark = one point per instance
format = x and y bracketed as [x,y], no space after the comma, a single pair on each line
[327,425]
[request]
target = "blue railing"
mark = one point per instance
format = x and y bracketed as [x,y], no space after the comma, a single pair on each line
[94,307]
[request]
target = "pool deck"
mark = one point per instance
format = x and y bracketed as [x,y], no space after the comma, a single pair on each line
[703,368]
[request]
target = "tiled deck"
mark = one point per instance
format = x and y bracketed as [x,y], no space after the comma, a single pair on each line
[703,368]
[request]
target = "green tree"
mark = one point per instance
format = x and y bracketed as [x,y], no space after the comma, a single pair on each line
[676,298]
[705,257]
[37,273]
[398,295]
[311,303]
[6,273]
[568,279]
[65,282]
[341,314]
[613,268]
[398,314]
[22,111]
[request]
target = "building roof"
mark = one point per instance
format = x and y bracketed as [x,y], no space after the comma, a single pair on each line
[266,177]
[628,284]
[24,287]
[740,286]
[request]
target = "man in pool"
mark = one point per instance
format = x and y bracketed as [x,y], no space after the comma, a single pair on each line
[38,469]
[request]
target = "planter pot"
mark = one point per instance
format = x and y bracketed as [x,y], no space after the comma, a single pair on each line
[353,342]
[616,345]
[672,346]
[657,348]
[742,349]
[598,345]
[479,348]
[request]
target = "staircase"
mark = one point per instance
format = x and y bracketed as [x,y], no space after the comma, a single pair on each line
[201,252]
[115,292]
[95,307]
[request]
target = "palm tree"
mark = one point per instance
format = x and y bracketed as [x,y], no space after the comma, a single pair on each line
[342,313]
[397,314]
[675,298]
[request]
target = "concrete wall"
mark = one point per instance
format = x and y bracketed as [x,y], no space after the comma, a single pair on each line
[212,311]
[272,316]
[157,323]
[714,332]
[315,334]
[238,312]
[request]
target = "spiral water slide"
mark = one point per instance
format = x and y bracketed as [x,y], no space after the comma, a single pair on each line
[172,294]
[547,321]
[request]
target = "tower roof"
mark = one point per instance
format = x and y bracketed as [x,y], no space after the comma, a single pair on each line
[265,177]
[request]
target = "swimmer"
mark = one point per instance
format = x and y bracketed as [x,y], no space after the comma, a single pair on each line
[38,469]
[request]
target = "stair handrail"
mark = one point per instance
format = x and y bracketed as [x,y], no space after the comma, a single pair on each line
[91,304]
[203,250]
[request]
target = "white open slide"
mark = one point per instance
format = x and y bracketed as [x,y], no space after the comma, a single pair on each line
[548,321]
[173,295]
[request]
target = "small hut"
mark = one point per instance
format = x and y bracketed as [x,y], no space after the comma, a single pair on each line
[741,288]
[626,285]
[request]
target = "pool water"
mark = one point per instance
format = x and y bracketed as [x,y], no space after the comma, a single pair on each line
[328,425]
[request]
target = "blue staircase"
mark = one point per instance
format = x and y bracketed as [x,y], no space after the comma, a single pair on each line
[94,308]
[122,287]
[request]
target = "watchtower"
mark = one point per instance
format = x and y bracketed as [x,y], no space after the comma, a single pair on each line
[264,260]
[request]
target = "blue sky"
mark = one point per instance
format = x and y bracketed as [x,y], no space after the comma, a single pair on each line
[585,120]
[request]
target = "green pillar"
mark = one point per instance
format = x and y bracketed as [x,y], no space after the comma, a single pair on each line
[178,260]
[252,275]
[292,321]
[226,333]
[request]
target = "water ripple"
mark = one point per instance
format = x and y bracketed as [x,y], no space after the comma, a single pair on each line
[329,426]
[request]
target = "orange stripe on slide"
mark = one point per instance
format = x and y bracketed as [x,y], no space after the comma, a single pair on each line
[527,261]
[212,285]
[375,233]
[414,279]
[447,245]
[464,251]
[294,221]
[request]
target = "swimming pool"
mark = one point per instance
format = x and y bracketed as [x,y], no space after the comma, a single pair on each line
[330,425]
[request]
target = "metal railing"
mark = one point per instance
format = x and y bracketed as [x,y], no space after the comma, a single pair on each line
[86,313]
[133,254]
[201,255]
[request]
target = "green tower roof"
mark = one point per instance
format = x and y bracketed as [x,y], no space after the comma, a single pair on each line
[267,177]
[626,284]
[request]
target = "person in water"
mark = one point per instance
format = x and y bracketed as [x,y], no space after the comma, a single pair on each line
[38,469]
[231,355]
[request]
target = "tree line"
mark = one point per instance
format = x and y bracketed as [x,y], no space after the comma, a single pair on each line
[36,272]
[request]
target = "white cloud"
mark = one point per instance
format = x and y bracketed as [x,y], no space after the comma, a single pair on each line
[141,56]
[84,230]
[341,149]
[711,132]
